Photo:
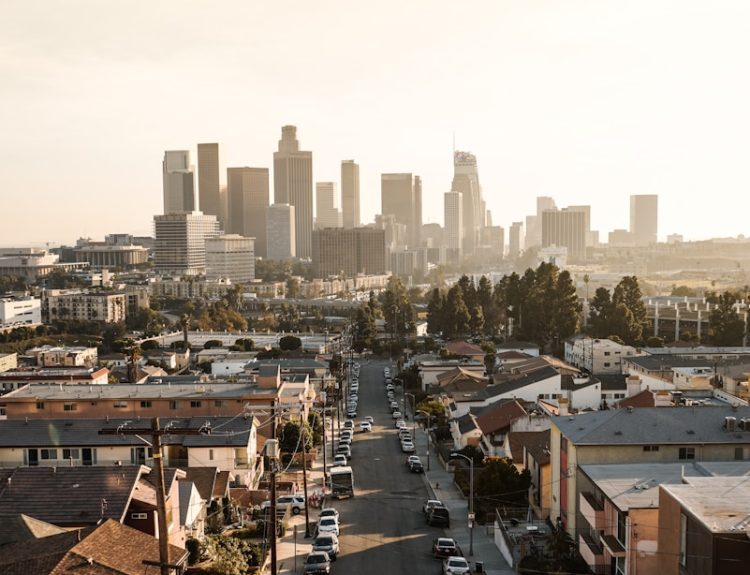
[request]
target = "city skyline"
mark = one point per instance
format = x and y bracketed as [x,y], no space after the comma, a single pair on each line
[590,104]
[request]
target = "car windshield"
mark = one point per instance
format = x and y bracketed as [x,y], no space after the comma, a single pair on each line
[457,562]
[316,558]
[328,521]
[324,541]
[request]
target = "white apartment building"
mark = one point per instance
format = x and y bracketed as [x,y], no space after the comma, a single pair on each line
[20,311]
[75,304]
[180,245]
[230,257]
[597,356]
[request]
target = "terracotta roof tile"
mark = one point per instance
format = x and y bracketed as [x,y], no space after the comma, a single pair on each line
[499,416]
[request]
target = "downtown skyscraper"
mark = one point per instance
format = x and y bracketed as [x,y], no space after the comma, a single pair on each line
[401,197]
[209,191]
[178,182]
[247,204]
[466,181]
[293,185]
[350,194]
[644,218]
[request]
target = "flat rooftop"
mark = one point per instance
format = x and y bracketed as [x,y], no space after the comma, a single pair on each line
[41,391]
[634,486]
[722,504]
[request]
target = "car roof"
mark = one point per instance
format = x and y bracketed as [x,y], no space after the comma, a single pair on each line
[446,540]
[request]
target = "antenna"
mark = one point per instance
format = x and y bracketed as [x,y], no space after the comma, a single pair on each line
[454,142]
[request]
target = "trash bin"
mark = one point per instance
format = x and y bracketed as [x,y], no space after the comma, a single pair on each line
[479,567]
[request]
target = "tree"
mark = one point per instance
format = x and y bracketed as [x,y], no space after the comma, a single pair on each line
[435,311]
[628,293]
[290,343]
[292,288]
[725,326]
[364,326]
[291,442]
[456,314]
[213,343]
[245,344]
[567,312]
[489,307]
[500,483]
[600,312]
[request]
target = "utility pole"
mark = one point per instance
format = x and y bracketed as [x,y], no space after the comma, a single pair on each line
[303,431]
[156,433]
[273,463]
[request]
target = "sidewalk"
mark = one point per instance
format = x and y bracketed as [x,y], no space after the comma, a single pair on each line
[440,486]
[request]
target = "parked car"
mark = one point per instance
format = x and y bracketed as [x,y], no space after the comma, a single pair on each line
[396,415]
[329,512]
[439,516]
[328,525]
[369,419]
[394,405]
[327,543]
[344,449]
[407,447]
[346,433]
[429,504]
[412,459]
[416,467]
[365,426]
[348,424]
[404,433]
[317,563]
[297,503]
[347,440]
[400,423]
[445,547]
[339,460]
[456,566]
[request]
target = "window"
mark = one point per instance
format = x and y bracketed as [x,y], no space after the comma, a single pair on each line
[218,403]
[650,448]
[40,405]
[740,453]
[606,353]
[195,403]
[70,407]
[622,535]
[145,404]
[687,453]
[120,404]
[71,454]
[211,454]
[138,455]
[48,454]
[606,364]
[683,539]
[139,515]
[172,405]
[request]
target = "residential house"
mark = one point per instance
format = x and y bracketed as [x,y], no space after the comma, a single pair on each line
[525,347]
[494,421]
[63,376]
[465,431]
[104,549]
[470,351]
[429,370]
[78,442]
[459,380]
[63,356]
[597,356]
[530,450]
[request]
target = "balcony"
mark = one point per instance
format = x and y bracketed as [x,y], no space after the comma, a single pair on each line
[591,551]
[592,510]
[613,545]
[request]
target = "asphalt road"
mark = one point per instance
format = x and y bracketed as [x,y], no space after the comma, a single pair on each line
[382,526]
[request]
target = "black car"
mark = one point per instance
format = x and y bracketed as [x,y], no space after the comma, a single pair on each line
[416,467]
[439,517]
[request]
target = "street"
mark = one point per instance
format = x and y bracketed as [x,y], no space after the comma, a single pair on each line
[382,527]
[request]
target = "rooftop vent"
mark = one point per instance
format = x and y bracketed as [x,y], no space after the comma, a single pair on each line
[731,422]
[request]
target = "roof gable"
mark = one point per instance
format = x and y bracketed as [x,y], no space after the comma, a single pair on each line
[499,416]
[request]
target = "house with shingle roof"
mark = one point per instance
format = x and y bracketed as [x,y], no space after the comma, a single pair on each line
[530,450]
[107,549]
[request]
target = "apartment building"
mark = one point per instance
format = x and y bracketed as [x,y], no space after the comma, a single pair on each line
[597,356]
[106,307]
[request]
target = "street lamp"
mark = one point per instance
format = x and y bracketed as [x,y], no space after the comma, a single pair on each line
[413,411]
[471,499]
[429,417]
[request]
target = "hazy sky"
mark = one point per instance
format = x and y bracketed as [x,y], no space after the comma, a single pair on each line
[585,101]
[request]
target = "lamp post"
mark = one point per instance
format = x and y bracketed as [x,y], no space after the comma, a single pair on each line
[471,499]
[413,412]
[429,417]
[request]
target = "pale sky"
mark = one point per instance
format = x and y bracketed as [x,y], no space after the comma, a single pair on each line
[585,101]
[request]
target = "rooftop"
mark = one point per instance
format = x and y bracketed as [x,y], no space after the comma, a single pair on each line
[50,392]
[649,425]
[631,486]
[722,504]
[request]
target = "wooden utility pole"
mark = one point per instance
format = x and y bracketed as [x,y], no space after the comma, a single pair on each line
[273,463]
[156,432]
[303,431]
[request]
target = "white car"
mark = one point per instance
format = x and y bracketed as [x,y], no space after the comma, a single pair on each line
[394,404]
[369,419]
[297,503]
[339,460]
[456,566]
[329,512]
[413,459]
[328,525]
[348,424]
[400,424]
[365,426]
[407,446]
[397,415]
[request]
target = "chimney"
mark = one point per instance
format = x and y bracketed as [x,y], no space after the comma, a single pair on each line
[563,406]
[634,385]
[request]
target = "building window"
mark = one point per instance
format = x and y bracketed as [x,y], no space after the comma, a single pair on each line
[145,404]
[71,454]
[48,454]
[606,353]
[740,453]
[172,405]
[211,454]
[218,403]
[40,405]
[606,364]
[195,403]
[650,448]
[70,407]
[683,539]
[622,535]
[139,515]
[687,453]
[120,404]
